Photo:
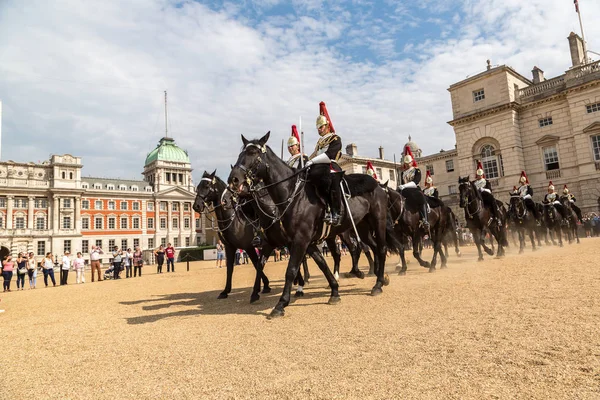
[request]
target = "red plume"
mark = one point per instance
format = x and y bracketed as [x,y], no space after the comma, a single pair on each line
[370,167]
[514,189]
[323,111]
[565,187]
[427,175]
[408,151]
[525,175]
[479,165]
[295,133]
[550,184]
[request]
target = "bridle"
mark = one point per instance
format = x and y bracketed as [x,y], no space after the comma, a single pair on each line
[210,207]
[516,209]
[469,202]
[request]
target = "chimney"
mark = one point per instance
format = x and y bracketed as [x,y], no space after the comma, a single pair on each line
[351,150]
[381,152]
[538,75]
[576,47]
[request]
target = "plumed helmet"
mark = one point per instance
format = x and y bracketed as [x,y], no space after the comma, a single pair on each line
[408,156]
[523,178]
[295,138]
[323,118]
[566,190]
[371,170]
[515,190]
[550,186]
[479,171]
[428,178]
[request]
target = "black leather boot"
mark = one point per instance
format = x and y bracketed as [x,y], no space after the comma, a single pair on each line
[424,217]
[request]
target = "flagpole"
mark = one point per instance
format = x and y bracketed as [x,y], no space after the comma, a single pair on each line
[585,56]
[301,143]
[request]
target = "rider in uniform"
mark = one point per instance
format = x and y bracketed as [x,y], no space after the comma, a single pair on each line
[325,173]
[525,191]
[552,198]
[371,171]
[485,188]
[430,190]
[572,200]
[409,188]
[294,149]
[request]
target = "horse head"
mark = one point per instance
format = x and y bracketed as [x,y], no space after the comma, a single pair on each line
[516,205]
[207,192]
[464,187]
[251,165]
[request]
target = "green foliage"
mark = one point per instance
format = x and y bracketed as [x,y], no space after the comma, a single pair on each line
[193,253]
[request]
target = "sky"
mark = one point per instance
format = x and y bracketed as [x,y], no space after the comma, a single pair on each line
[88,78]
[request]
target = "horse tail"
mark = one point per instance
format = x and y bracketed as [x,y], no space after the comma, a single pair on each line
[393,243]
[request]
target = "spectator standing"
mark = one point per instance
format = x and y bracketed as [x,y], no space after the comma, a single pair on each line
[48,268]
[325,248]
[21,271]
[95,262]
[245,255]
[117,261]
[7,272]
[128,261]
[138,261]
[170,253]
[64,270]
[32,271]
[79,267]
[160,259]
[220,254]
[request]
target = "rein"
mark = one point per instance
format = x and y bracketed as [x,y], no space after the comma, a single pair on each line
[469,202]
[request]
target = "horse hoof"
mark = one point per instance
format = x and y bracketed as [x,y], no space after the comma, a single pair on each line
[299,294]
[276,314]
[306,282]
[521,251]
[254,298]
[426,264]
[431,269]
[386,279]
[336,276]
[266,289]
[334,300]
[459,254]
[443,266]
[402,273]
[376,291]
[222,295]
[480,259]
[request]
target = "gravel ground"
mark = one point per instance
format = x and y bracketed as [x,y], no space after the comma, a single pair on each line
[521,327]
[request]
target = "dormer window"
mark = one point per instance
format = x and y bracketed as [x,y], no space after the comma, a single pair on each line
[478,95]
[110,187]
[98,186]
[122,187]
[85,186]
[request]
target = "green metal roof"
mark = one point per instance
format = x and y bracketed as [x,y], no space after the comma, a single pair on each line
[167,150]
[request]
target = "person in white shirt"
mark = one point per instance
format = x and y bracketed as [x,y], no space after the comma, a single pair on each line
[79,267]
[66,266]
[32,271]
[48,265]
[95,261]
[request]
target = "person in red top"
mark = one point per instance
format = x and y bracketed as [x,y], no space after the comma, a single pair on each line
[7,271]
[170,253]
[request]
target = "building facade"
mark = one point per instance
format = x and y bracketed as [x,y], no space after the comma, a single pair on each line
[51,207]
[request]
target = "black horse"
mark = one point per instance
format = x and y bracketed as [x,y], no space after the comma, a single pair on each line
[234,231]
[479,218]
[570,225]
[301,211]
[522,219]
[554,221]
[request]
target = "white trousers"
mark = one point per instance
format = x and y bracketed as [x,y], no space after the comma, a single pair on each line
[80,277]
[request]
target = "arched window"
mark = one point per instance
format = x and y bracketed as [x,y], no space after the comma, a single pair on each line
[64,175]
[490,163]
[70,175]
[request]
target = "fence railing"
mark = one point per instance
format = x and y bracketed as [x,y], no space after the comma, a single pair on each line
[554,174]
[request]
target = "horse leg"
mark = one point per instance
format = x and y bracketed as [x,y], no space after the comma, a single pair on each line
[230,258]
[416,254]
[521,240]
[370,260]
[316,255]
[378,222]
[306,271]
[403,261]
[265,253]
[532,239]
[335,253]
[259,273]
[300,280]
[477,240]
[297,251]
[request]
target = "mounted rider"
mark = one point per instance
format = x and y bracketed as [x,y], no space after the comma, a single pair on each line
[293,146]
[325,173]
[569,196]
[371,171]
[430,190]
[525,191]
[485,188]
[552,198]
[409,187]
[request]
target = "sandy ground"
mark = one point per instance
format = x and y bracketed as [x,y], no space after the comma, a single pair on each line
[521,327]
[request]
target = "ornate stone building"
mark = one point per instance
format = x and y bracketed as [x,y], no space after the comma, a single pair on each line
[51,207]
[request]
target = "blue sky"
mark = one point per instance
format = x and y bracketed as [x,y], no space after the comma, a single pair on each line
[87,78]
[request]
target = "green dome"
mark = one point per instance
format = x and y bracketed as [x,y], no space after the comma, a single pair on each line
[167,150]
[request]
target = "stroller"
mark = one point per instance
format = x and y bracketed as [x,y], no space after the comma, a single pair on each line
[110,272]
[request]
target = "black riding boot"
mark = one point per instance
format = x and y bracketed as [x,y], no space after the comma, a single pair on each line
[424,216]
[578,212]
[335,199]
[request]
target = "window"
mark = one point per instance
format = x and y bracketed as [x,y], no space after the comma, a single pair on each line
[85,204]
[3,202]
[41,248]
[596,147]
[175,223]
[449,165]
[98,242]
[186,206]
[122,187]
[40,203]
[175,206]
[186,223]
[150,206]
[198,226]
[67,246]
[187,242]
[379,173]
[364,170]
[70,175]
[150,243]
[98,205]
[135,206]
[111,222]
[430,169]
[478,95]
[489,162]
[66,222]
[134,188]
[111,205]
[85,186]
[1,221]
[136,223]
[452,189]
[98,223]
[85,223]
[545,122]
[85,246]
[40,223]
[592,107]
[110,187]
[163,223]
[97,186]
[551,158]
[20,203]
[20,223]
[123,206]
[124,244]
[163,206]
[163,241]
[64,175]
[111,244]
[150,223]
[67,203]
[136,242]
[392,175]
[168,177]
[175,242]
[148,188]
[123,222]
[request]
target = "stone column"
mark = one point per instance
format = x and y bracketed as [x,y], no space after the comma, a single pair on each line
[9,211]
[169,222]
[30,204]
[181,227]
[77,215]
[55,213]
[192,231]
[156,223]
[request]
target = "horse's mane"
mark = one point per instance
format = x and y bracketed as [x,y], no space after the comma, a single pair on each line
[477,192]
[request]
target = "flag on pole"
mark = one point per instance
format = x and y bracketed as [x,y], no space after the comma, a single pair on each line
[576,2]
